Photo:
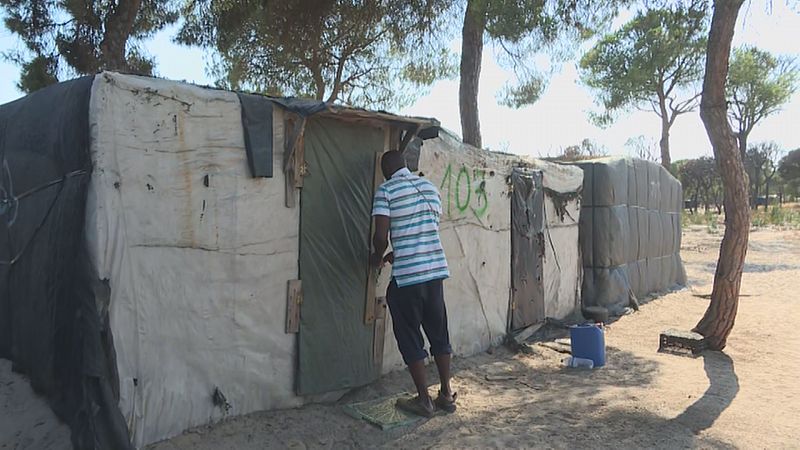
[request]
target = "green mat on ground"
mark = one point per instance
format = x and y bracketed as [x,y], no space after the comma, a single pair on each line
[382,412]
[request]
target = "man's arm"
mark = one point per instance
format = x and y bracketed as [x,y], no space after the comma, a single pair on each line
[380,240]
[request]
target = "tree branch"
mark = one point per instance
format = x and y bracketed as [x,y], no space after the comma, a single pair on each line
[337,81]
[688,105]
[117,27]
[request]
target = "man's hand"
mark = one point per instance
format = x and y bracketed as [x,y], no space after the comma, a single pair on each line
[380,241]
[376,260]
[389,258]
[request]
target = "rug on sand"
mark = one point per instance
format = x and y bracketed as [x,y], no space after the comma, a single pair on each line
[382,412]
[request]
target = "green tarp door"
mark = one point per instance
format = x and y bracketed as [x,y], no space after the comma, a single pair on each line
[335,346]
[527,248]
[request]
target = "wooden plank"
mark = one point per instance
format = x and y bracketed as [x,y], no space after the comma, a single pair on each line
[379,332]
[294,299]
[372,273]
[410,133]
[293,156]
[288,161]
[527,332]
[561,348]
[394,139]
[300,167]
[345,114]
[369,306]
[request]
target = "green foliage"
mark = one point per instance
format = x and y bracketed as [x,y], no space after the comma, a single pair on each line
[587,149]
[789,167]
[64,38]
[700,180]
[708,219]
[521,29]
[524,93]
[37,73]
[645,148]
[375,54]
[711,222]
[761,165]
[777,216]
[758,84]
[655,62]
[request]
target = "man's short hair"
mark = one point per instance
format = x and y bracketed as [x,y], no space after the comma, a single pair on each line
[391,162]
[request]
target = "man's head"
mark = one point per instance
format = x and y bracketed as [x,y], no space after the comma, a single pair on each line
[391,162]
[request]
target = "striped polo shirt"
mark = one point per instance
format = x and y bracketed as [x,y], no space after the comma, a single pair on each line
[413,205]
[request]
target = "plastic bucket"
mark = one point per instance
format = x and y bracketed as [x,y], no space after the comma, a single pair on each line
[588,341]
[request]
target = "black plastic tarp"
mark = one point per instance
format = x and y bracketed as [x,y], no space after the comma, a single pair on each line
[257,128]
[53,324]
[630,231]
[527,248]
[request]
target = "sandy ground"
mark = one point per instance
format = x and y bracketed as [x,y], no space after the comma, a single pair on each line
[26,421]
[746,397]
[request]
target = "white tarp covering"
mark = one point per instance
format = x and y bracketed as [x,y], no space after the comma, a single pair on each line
[197,252]
[562,266]
[476,234]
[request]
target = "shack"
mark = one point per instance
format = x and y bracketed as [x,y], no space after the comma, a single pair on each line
[171,255]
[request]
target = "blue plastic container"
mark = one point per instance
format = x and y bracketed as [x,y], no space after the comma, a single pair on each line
[588,341]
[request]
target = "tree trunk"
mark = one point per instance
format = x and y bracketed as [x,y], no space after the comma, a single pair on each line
[315,67]
[720,316]
[742,141]
[757,188]
[319,86]
[666,161]
[118,27]
[471,54]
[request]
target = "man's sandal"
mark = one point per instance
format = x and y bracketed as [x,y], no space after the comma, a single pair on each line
[415,406]
[444,404]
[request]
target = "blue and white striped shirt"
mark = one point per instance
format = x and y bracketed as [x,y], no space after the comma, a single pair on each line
[413,206]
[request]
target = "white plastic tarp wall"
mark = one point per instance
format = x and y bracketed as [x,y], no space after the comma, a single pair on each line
[197,254]
[475,231]
[562,259]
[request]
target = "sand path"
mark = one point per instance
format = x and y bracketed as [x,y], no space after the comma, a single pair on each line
[746,397]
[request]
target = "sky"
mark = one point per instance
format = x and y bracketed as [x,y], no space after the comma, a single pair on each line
[559,118]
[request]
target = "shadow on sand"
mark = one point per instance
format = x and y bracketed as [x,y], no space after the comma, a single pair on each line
[542,405]
[724,385]
[582,419]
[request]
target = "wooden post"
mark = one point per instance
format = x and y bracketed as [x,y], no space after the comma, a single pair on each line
[410,133]
[372,273]
[288,161]
[394,138]
[293,155]
[379,332]
[377,178]
[300,158]
[294,299]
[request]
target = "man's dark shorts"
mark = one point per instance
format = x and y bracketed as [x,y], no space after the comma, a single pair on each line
[415,305]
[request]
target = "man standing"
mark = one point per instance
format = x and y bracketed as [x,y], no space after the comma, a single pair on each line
[409,207]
